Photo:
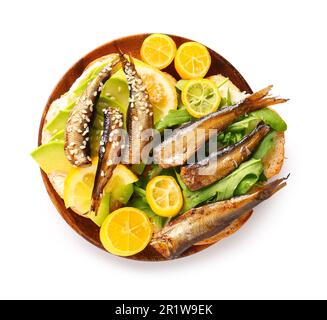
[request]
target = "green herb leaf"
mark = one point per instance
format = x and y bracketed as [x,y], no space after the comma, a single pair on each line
[270,117]
[266,144]
[174,118]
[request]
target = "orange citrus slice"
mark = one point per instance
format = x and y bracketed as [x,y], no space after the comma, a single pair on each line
[158,50]
[192,60]
[126,231]
[164,196]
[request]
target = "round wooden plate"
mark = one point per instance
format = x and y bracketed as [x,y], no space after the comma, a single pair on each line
[131,44]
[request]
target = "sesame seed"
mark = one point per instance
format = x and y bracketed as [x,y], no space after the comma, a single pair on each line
[82,147]
[95,93]
[102,173]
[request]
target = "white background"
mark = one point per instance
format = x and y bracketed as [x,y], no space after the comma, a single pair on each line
[280,253]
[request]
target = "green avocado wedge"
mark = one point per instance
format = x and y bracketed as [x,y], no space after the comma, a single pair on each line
[51,157]
[58,123]
[116,90]
[103,211]
[59,136]
[115,93]
[122,193]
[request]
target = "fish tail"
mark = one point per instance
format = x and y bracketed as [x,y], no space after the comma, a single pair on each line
[121,54]
[119,51]
[94,205]
[271,188]
[260,100]
[260,94]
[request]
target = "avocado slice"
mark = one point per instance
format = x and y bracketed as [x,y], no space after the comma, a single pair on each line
[59,136]
[122,193]
[103,211]
[51,157]
[58,122]
[116,90]
[115,93]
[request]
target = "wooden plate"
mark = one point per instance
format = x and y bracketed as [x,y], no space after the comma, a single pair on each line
[132,44]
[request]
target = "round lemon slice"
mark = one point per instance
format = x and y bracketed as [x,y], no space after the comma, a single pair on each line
[126,231]
[161,89]
[192,60]
[200,97]
[158,50]
[164,196]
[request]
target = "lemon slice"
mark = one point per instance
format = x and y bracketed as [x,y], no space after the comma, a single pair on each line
[200,97]
[126,231]
[161,88]
[164,196]
[79,185]
[78,188]
[158,50]
[192,60]
[120,176]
